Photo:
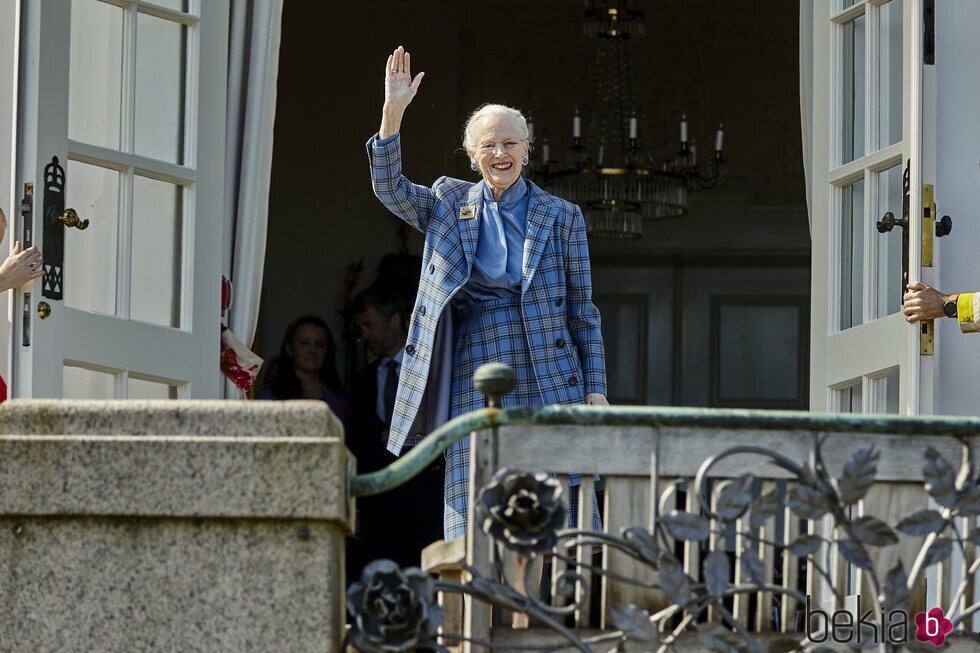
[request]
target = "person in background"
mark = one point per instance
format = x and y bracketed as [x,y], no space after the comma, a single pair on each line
[22,266]
[923,302]
[398,524]
[307,368]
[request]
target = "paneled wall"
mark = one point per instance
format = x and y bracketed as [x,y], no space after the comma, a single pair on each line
[722,330]
[708,58]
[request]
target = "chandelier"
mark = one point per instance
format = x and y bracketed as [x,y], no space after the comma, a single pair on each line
[610,170]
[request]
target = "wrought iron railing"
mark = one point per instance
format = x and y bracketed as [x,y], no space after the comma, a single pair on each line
[728,579]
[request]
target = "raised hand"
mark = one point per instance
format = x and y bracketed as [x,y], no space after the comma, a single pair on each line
[400,90]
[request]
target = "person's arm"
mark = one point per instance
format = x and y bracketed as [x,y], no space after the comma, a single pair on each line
[410,202]
[21,266]
[923,302]
[583,316]
[968,312]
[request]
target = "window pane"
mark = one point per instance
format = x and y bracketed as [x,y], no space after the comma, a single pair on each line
[852,255]
[158,209]
[160,76]
[140,389]
[90,255]
[886,394]
[890,73]
[79,383]
[95,73]
[889,272]
[849,3]
[849,399]
[852,91]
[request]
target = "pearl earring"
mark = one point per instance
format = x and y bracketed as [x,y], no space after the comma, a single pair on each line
[525,160]
[473,166]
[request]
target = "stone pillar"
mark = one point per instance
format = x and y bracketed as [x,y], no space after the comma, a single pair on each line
[172,526]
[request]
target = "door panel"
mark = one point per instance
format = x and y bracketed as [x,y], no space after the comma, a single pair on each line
[637,324]
[867,171]
[692,335]
[136,119]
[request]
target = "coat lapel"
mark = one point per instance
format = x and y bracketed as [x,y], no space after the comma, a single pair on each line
[469,229]
[541,215]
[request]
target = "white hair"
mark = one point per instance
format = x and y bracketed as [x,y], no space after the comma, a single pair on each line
[469,138]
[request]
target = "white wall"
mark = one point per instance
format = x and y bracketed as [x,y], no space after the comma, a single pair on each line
[957,195]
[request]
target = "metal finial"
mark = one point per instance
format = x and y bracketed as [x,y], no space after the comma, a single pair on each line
[494,380]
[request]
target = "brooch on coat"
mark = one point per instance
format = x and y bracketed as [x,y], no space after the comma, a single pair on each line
[467,212]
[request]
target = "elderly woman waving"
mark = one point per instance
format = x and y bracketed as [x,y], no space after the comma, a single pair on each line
[505,278]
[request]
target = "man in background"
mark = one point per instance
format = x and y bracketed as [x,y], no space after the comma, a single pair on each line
[400,523]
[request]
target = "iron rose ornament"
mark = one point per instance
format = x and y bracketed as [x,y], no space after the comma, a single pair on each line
[522,511]
[394,609]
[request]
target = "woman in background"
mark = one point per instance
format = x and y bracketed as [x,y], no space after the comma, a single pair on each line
[307,368]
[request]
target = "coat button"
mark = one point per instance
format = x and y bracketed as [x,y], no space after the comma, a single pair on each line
[560,343]
[432,268]
[410,350]
[573,380]
[559,301]
[422,310]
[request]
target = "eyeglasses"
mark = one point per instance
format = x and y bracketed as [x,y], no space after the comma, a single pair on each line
[508,146]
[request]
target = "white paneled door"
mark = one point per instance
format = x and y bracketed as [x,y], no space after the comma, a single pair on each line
[120,158]
[894,129]
[867,171]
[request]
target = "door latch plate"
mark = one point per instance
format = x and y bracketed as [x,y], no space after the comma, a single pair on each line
[928,224]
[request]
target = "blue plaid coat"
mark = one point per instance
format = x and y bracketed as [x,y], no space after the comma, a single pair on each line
[556,284]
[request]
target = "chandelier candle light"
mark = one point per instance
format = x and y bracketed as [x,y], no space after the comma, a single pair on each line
[611,172]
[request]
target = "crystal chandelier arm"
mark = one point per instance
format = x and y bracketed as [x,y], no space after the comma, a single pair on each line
[412,203]
[716,171]
[582,315]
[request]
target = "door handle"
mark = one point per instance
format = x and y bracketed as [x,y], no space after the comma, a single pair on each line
[889,222]
[885,225]
[70,219]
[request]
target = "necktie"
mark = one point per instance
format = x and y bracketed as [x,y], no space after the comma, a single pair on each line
[391,389]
